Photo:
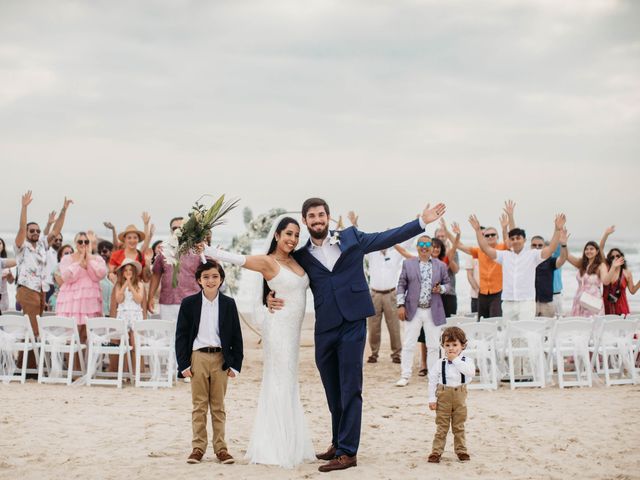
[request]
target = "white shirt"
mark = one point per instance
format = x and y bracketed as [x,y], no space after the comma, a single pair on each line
[452,371]
[209,329]
[51,264]
[519,274]
[472,264]
[384,269]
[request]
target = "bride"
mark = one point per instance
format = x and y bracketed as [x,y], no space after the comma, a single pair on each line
[280,434]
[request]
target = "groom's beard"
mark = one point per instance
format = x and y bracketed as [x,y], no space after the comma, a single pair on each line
[319,235]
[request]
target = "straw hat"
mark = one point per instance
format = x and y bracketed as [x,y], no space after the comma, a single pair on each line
[131,229]
[128,261]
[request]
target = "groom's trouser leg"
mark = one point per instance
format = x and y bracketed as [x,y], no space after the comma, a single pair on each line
[374,324]
[200,399]
[350,351]
[327,363]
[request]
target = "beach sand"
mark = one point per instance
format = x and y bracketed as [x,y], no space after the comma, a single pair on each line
[51,431]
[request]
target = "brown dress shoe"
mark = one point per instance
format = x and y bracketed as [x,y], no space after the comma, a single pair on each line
[196,456]
[330,454]
[372,360]
[464,457]
[396,360]
[434,458]
[224,457]
[339,463]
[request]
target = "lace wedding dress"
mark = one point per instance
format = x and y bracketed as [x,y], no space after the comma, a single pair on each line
[280,433]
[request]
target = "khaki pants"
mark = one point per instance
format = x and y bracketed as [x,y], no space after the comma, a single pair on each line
[451,410]
[545,309]
[208,388]
[384,303]
[32,303]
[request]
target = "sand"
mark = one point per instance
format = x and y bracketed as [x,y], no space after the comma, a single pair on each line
[51,431]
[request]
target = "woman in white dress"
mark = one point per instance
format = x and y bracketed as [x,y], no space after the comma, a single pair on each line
[280,433]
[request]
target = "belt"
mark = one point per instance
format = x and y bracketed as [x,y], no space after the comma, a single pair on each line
[424,305]
[210,349]
[383,291]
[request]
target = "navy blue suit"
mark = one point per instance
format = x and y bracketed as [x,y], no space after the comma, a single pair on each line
[342,303]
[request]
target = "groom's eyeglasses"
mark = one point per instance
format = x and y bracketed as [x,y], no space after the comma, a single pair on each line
[424,244]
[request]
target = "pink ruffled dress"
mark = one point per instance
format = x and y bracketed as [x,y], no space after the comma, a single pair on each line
[80,295]
[591,284]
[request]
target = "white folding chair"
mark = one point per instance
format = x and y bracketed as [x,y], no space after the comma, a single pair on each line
[572,339]
[59,336]
[101,333]
[481,347]
[614,352]
[459,320]
[155,339]
[16,336]
[525,340]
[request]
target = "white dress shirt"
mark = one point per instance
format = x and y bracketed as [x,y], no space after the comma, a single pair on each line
[461,365]
[209,329]
[384,269]
[519,274]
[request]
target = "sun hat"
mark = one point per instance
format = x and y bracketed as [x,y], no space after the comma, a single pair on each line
[131,229]
[129,261]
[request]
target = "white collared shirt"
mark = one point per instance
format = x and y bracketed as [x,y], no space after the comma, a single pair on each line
[384,269]
[461,365]
[209,329]
[519,273]
[326,253]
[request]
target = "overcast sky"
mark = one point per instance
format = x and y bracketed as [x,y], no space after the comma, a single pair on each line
[377,106]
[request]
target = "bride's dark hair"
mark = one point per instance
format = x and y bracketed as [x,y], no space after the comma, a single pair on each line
[284,223]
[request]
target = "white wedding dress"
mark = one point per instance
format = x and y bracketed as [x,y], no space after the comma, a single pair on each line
[280,433]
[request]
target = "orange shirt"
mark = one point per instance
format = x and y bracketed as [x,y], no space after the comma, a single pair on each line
[490,270]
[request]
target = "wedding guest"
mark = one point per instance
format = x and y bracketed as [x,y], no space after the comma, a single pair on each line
[106,286]
[591,276]
[52,255]
[57,277]
[557,285]
[449,255]
[518,268]
[384,270]
[31,255]
[80,296]
[490,295]
[448,394]
[7,276]
[209,351]
[615,294]
[422,282]
[544,275]
[130,238]
[473,277]
[105,248]
[171,295]
[129,296]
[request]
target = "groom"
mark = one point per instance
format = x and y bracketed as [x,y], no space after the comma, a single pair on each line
[334,263]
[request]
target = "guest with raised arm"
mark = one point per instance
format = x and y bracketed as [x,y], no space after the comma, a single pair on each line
[130,238]
[591,276]
[518,268]
[384,270]
[31,257]
[615,294]
[80,296]
[7,277]
[490,293]
[52,254]
[545,275]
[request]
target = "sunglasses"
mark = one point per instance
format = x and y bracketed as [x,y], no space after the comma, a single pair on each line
[424,244]
[617,256]
[537,245]
[105,250]
[83,242]
[34,230]
[490,235]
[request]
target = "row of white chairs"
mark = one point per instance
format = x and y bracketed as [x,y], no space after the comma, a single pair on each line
[59,337]
[606,345]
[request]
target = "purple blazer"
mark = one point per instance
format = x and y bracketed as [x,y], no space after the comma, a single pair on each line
[410,282]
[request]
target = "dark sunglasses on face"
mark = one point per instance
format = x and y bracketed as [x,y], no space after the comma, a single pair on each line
[424,244]
[489,235]
[617,256]
[83,242]
[34,230]
[537,245]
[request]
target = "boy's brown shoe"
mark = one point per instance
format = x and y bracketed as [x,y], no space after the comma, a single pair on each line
[464,457]
[196,456]
[434,458]
[224,457]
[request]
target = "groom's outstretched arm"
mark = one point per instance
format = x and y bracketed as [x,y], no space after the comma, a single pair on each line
[372,242]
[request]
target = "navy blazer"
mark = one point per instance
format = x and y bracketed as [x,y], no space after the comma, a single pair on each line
[229,327]
[343,293]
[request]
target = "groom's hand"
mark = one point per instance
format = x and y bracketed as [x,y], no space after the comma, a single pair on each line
[274,303]
[430,215]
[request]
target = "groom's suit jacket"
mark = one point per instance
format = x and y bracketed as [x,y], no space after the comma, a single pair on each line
[410,283]
[229,331]
[342,293]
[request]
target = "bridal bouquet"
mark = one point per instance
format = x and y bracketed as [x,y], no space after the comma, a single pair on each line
[194,230]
